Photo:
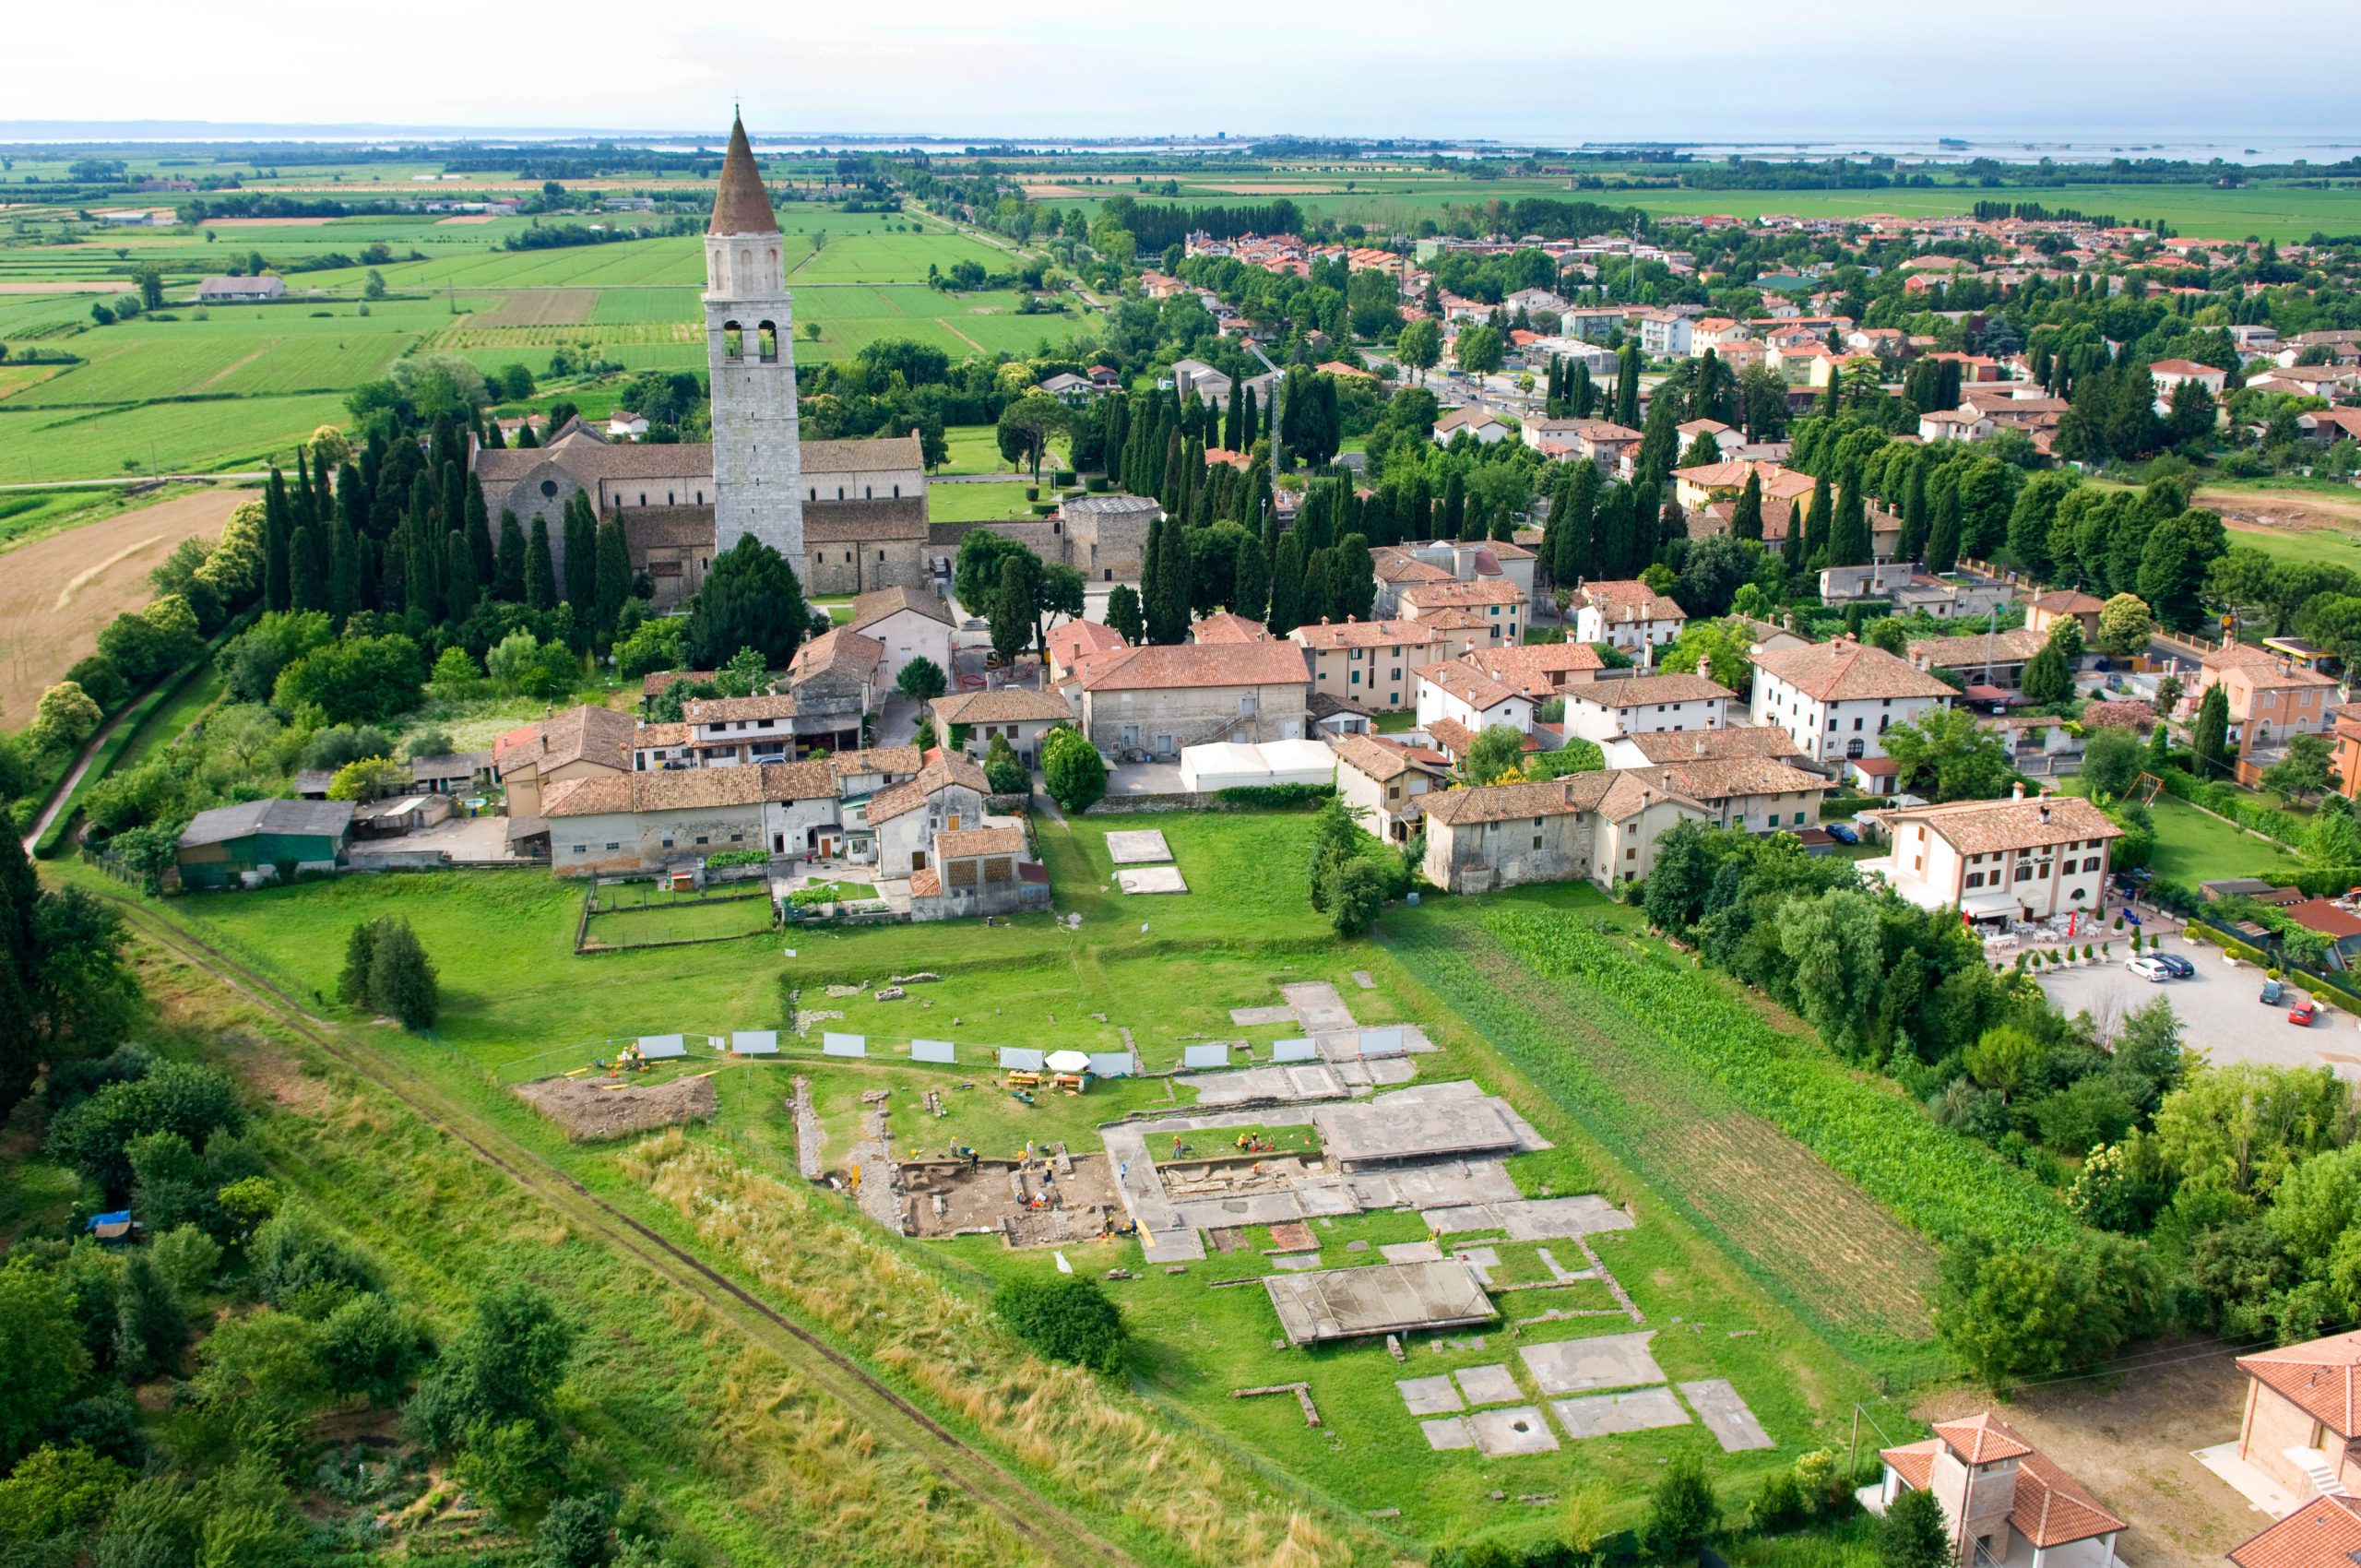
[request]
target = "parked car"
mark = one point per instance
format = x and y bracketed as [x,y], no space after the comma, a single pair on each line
[2150,968]
[1841,832]
[2303,1012]
[2272,992]
[2181,967]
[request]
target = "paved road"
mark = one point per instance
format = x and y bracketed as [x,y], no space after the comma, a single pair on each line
[2219,1012]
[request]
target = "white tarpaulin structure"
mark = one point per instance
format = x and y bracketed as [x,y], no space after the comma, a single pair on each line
[1067,1062]
[835,1045]
[1229,764]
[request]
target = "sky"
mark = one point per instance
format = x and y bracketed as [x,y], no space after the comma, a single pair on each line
[1577,71]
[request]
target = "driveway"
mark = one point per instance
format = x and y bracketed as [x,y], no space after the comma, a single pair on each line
[474,838]
[2219,1012]
[1144,778]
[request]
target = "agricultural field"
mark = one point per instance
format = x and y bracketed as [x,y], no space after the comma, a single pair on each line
[1785,1275]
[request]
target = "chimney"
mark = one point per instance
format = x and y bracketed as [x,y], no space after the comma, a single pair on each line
[1567,788]
[1701,745]
[2017,791]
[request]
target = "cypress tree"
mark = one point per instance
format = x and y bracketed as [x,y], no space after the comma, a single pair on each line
[524,437]
[540,578]
[1627,386]
[1816,525]
[2209,736]
[1644,502]
[352,498]
[1286,585]
[581,555]
[1233,430]
[479,524]
[1177,578]
[150,1330]
[302,506]
[275,543]
[452,502]
[493,439]
[307,570]
[1453,517]
[424,589]
[1913,513]
[1746,518]
[458,576]
[1581,398]
[509,562]
[1249,427]
[393,578]
[1943,531]
[1569,561]
[1251,578]
[613,575]
[1848,534]
[1660,441]
[344,570]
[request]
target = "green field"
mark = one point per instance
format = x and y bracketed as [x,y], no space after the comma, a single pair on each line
[1782,1276]
[2194,846]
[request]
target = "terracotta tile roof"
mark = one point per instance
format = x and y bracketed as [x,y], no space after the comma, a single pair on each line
[926,883]
[2319,1376]
[588,460]
[1070,639]
[731,711]
[2319,915]
[2323,1533]
[1398,567]
[649,736]
[1505,803]
[877,759]
[1621,600]
[1846,671]
[1974,649]
[969,842]
[1724,778]
[1456,621]
[862,520]
[1729,475]
[875,605]
[1009,705]
[741,205]
[1364,633]
[1914,1462]
[664,680]
[1165,668]
[580,734]
[2067,601]
[1639,691]
[1379,759]
[1982,827]
[1705,746]
[1222,627]
[1467,683]
[935,777]
[839,649]
[688,788]
[1459,596]
[1453,737]
[865,454]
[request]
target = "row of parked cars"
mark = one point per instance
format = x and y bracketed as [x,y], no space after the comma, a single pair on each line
[2158,968]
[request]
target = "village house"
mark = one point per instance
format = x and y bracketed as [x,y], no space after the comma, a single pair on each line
[1477,420]
[1629,615]
[1368,664]
[1158,699]
[654,821]
[1465,694]
[1995,660]
[2169,373]
[2017,859]
[1758,794]
[1226,626]
[2044,610]
[903,819]
[1069,641]
[1495,601]
[1649,747]
[978,871]
[1629,704]
[839,671]
[1603,826]
[909,623]
[1540,670]
[2004,1505]
[2301,1431]
[1396,571]
[1381,783]
[1836,699]
[583,742]
[1018,714]
[2271,697]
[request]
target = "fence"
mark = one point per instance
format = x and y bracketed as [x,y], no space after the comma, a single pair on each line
[684,919]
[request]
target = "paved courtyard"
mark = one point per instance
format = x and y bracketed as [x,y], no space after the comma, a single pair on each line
[2219,1012]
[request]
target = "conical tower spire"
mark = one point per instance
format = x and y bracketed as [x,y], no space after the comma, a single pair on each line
[740,204]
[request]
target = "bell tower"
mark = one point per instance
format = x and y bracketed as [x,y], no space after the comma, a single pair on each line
[757,451]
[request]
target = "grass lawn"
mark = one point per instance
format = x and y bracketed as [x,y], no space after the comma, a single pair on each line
[663,917]
[983,503]
[2193,846]
[1166,971]
[1394,723]
[975,449]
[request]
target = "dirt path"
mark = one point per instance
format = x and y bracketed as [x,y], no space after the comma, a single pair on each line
[1059,1534]
[2131,1442]
[73,779]
[2294,509]
[57,591]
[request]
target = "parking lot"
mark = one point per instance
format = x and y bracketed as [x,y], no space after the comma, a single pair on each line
[2219,1011]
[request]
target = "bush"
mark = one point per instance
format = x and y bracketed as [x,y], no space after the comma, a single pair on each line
[1073,770]
[1682,1511]
[1003,771]
[1064,1318]
[1277,797]
[387,970]
[176,1097]
[300,1265]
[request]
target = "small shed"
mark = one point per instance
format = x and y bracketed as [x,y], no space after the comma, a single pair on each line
[402,814]
[262,841]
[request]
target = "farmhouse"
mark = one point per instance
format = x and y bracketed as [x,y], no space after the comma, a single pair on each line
[977,871]
[239,290]
[1016,712]
[2003,1503]
[1649,747]
[1070,640]
[649,821]
[1835,699]
[1381,783]
[261,841]
[584,743]
[1602,825]
[946,796]
[1160,699]
[1759,795]
[2009,860]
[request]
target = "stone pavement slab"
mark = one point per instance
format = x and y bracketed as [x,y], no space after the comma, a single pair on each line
[1410,1252]
[1449,1431]
[1607,1361]
[1494,1385]
[1602,1414]
[1726,1415]
[1152,879]
[1137,846]
[1296,1262]
[1429,1395]
[1517,1431]
[1318,1007]
[1249,1017]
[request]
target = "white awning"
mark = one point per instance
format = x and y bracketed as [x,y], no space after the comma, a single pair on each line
[1999,903]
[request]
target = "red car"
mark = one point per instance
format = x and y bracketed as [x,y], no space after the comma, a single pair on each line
[2303,1012]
